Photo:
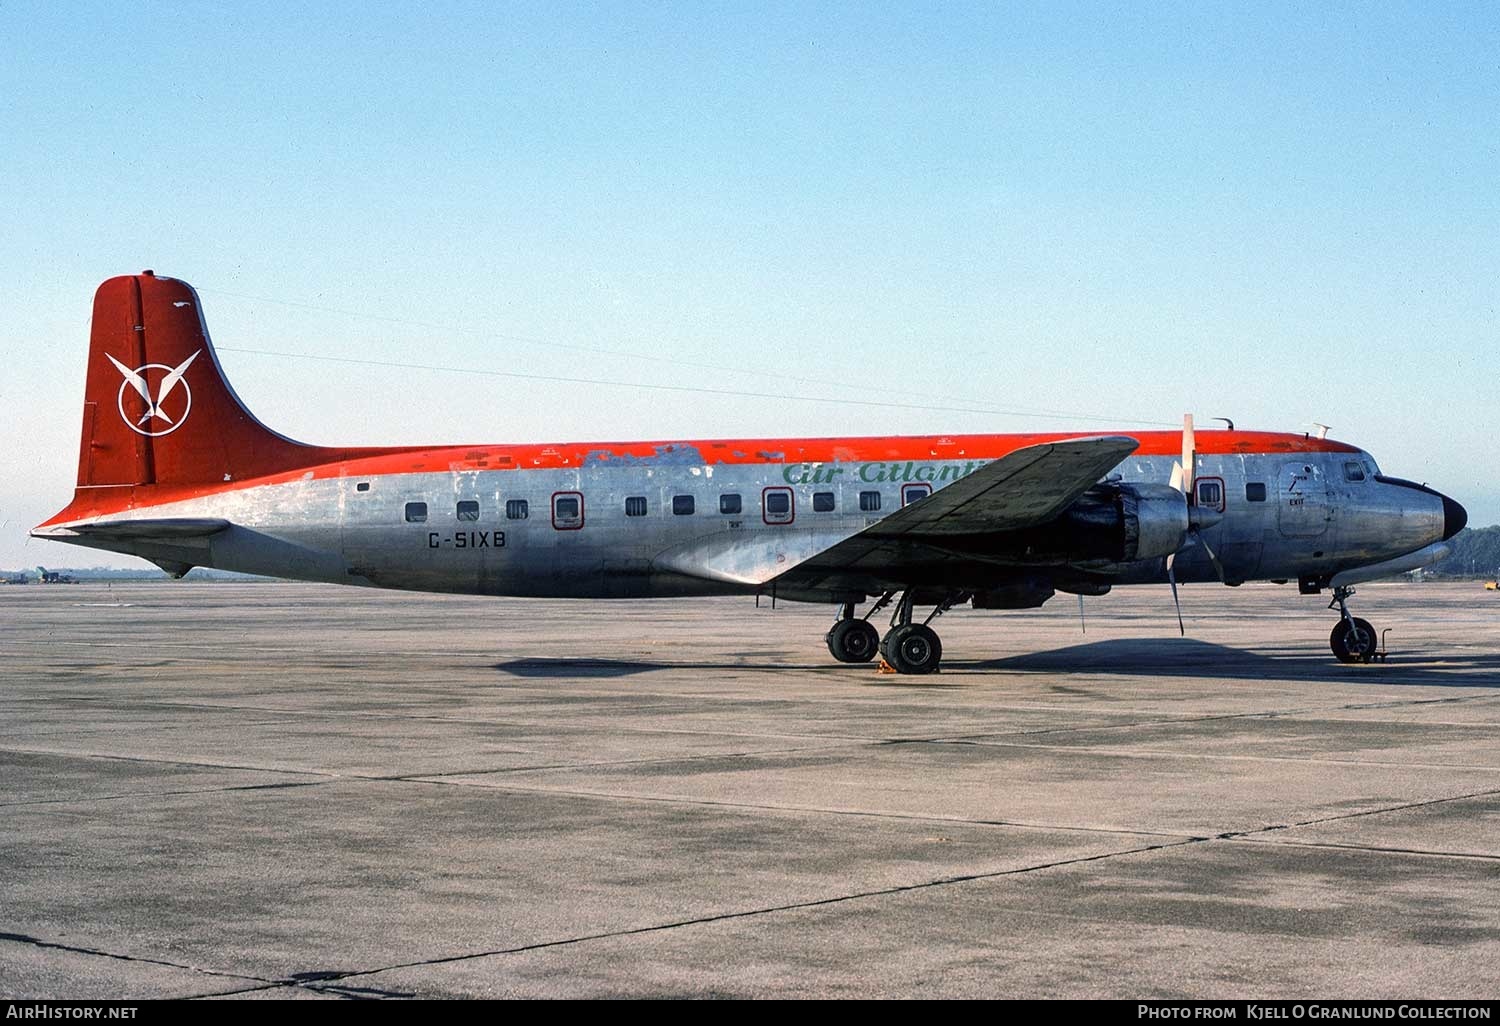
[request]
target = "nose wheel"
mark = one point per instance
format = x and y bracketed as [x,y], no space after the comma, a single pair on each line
[1353,640]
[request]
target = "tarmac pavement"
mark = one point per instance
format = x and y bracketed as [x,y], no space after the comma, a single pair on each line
[212,789]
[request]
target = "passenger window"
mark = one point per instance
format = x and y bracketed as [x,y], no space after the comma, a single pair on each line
[914,493]
[567,511]
[416,512]
[869,502]
[1255,491]
[777,506]
[1353,471]
[468,509]
[1211,493]
[635,506]
[517,509]
[822,502]
[729,503]
[682,505]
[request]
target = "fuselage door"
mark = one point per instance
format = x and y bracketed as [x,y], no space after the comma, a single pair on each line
[1304,510]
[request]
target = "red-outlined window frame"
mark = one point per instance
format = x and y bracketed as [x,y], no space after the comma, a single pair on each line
[791,509]
[914,484]
[1223,492]
[553,507]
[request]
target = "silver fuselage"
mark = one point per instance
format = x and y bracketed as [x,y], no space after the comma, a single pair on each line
[1321,513]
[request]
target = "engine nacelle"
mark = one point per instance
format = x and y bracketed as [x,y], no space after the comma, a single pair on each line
[1109,523]
[1155,518]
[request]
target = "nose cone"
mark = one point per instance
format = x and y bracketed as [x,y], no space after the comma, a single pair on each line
[1454,518]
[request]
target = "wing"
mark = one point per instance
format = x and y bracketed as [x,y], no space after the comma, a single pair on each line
[1027,487]
[1021,489]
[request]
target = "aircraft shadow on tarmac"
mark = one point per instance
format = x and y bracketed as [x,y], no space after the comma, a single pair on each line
[1185,657]
[581,667]
[1161,657]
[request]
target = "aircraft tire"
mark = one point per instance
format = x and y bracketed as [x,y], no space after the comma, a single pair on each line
[912,648]
[1352,644]
[853,641]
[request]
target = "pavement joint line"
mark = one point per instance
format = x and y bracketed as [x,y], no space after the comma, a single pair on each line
[1310,711]
[37,942]
[274,711]
[1403,807]
[272,985]
[274,714]
[172,762]
[1154,753]
[548,767]
[1378,849]
[434,777]
[309,984]
[168,794]
[769,910]
[444,780]
[802,809]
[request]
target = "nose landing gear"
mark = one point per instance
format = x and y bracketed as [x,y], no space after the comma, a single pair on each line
[1353,640]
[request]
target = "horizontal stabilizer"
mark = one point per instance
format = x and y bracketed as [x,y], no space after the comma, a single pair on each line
[164,528]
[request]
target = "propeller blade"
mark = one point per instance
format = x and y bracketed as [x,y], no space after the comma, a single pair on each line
[1082,627]
[1172,578]
[1189,455]
[1212,558]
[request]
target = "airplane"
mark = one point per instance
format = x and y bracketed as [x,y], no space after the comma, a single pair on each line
[173,468]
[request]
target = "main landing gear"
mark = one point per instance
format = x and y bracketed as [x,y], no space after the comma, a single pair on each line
[1353,640]
[851,640]
[907,647]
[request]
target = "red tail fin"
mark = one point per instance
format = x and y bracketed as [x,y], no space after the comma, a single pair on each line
[157,409]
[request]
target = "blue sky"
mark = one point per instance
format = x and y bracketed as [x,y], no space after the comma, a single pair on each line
[1281,214]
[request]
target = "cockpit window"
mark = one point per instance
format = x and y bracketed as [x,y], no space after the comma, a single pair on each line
[1353,471]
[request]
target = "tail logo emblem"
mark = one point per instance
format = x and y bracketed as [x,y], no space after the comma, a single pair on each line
[171,383]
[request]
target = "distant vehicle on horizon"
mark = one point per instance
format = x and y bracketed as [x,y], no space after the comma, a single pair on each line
[174,469]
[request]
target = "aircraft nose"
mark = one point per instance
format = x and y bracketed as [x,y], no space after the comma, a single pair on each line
[1454,518]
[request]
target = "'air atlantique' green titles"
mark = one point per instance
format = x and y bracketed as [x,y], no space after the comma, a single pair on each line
[876,473]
